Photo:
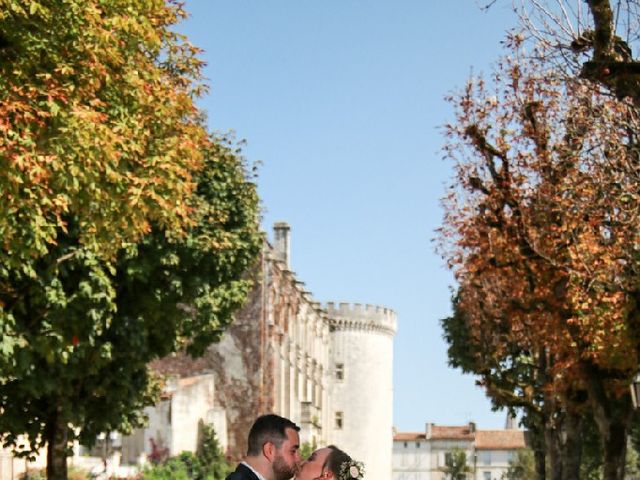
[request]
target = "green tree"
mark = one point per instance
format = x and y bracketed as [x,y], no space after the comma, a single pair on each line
[175,468]
[126,230]
[456,467]
[214,464]
[84,329]
[522,466]
[208,463]
[513,377]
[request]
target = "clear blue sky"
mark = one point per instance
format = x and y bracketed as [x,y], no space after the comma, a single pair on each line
[341,102]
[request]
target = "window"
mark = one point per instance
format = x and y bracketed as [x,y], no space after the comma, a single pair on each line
[406,444]
[485,457]
[339,420]
[339,371]
[417,444]
[486,475]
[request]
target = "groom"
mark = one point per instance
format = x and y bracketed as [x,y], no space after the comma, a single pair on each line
[273,451]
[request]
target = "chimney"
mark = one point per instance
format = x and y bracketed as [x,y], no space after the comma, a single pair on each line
[472,427]
[429,430]
[510,423]
[281,244]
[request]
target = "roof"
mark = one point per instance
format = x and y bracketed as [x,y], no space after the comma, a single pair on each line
[441,432]
[499,439]
[409,436]
[482,439]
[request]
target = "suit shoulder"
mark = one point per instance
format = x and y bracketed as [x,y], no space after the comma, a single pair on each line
[241,473]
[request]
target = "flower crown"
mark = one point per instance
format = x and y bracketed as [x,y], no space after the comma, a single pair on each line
[351,470]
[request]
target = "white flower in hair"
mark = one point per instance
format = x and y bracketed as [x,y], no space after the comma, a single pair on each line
[351,470]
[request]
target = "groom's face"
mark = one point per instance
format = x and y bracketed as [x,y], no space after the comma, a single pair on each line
[287,458]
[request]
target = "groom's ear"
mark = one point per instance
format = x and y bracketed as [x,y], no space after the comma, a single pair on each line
[269,451]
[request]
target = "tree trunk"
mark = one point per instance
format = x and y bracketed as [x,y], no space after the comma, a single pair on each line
[541,466]
[553,452]
[613,416]
[536,436]
[572,446]
[57,432]
[615,450]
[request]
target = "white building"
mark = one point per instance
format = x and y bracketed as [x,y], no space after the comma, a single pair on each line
[174,423]
[422,456]
[362,396]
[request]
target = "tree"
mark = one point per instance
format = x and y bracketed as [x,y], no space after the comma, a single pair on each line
[456,467]
[513,376]
[521,467]
[98,125]
[125,228]
[539,230]
[213,463]
[100,140]
[84,329]
[592,39]
[208,463]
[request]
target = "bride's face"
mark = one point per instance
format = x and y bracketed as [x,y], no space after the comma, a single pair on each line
[312,468]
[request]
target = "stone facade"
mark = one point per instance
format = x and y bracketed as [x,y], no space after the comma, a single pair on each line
[327,368]
[174,423]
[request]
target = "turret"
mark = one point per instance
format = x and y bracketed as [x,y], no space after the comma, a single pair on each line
[362,387]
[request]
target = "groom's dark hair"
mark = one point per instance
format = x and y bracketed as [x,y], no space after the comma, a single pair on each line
[268,428]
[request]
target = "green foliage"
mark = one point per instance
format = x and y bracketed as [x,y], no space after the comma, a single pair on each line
[307,448]
[456,467]
[592,461]
[84,329]
[632,469]
[522,467]
[213,463]
[634,436]
[41,474]
[208,463]
[126,229]
[176,468]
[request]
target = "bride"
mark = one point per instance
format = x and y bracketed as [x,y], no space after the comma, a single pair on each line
[330,463]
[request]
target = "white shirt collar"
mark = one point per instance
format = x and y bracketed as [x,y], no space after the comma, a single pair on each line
[258,474]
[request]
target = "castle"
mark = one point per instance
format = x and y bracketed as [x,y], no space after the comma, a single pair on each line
[326,367]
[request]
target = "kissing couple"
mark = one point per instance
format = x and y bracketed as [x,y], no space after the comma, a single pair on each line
[273,453]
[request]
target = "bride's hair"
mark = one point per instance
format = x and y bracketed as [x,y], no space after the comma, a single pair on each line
[335,459]
[342,465]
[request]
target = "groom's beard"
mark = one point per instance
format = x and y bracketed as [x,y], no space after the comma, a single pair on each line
[283,471]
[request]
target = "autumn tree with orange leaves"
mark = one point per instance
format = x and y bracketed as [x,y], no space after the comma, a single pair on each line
[125,228]
[541,233]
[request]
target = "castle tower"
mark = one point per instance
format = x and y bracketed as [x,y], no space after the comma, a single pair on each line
[361,361]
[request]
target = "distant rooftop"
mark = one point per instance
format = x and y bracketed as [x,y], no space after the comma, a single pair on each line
[483,439]
[409,436]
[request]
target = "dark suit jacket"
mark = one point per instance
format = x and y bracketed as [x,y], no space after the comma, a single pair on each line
[242,473]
